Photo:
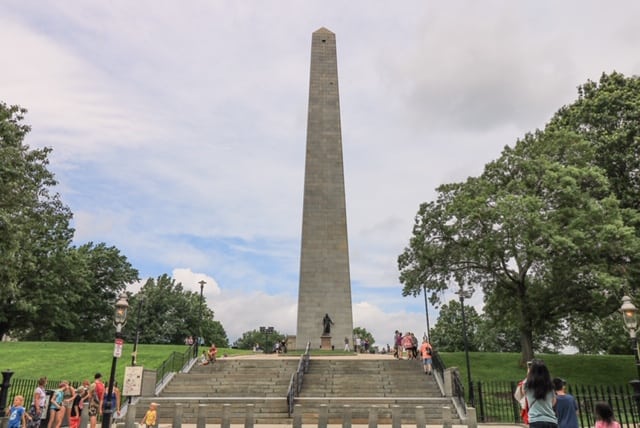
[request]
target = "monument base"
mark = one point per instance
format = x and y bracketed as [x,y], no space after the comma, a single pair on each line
[325,342]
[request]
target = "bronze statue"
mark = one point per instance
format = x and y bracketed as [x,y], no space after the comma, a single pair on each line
[326,321]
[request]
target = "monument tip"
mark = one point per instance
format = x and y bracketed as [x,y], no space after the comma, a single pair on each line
[323,30]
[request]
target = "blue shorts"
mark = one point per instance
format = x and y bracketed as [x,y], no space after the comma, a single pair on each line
[426,361]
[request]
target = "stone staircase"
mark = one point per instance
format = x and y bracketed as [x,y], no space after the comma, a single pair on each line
[382,383]
[235,382]
[263,383]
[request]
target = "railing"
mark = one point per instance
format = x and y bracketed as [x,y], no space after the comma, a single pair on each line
[457,385]
[495,403]
[295,384]
[25,387]
[176,362]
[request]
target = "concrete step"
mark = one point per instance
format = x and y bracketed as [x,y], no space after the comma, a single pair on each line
[360,384]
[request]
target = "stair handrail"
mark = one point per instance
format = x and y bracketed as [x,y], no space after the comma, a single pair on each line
[175,362]
[457,386]
[295,383]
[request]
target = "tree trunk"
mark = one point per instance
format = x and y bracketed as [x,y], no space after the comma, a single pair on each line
[526,344]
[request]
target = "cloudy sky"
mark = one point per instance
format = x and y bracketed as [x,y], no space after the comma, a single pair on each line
[178,128]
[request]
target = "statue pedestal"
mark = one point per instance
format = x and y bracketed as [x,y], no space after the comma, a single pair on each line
[325,341]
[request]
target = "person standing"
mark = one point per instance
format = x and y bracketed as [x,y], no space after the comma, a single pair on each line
[397,345]
[566,406]
[68,395]
[17,413]
[426,351]
[150,419]
[414,346]
[56,410]
[112,401]
[347,348]
[522,399]
[407,344]
[604,416]
[96,399]
[37,406]
[540,395]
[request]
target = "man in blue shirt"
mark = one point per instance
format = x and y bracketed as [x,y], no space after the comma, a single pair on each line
[566,406]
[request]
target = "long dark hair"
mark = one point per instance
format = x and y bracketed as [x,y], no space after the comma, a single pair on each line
[604,412]
[539,380]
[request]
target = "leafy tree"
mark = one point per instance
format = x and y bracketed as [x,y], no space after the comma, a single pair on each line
[524,232]
[606,114]
[34,227]
[448,332]
[363,334]
[78,302]
[597,334]
[250,338]
[497,336]
[169,314]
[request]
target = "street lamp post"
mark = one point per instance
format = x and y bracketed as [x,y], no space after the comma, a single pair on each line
[202,282]
[426,311]
[120,319]
[630,318]
[134,354]
[466,294]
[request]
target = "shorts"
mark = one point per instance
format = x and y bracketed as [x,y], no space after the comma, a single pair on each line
[93,409]
[426,361]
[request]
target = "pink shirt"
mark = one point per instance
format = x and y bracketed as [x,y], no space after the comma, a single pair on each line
[603,424]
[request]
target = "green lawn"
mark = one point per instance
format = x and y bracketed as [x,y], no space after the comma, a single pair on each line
[575,369]
[77,361]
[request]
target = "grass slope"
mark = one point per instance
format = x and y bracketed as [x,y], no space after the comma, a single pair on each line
[77,361]
[575,369]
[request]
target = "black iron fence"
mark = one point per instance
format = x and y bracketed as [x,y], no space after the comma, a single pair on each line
[26,387]
[494,402]
[176,362]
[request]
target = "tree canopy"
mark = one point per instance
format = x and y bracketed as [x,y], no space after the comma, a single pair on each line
[541,232]
[363,334]
[168,314]
[53,290]
[252,338]
[34,225]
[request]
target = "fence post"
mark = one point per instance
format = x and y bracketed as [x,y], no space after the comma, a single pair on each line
[395,416]
[420,418]
[346,416]
[472,418]
[446,417]
[129,420]
[248,419]
[448,381]
[373,417]
[226,416]
[297,416]
[201,419]
[323,416]
[177,416]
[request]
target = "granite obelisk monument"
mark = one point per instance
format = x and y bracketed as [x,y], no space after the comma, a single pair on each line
[324,298]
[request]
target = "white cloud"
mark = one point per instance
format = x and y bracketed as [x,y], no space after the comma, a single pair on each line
[179,131]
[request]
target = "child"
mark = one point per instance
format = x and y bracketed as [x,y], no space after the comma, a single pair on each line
[150,418]
[604,416]
[17,413]
[76,408]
